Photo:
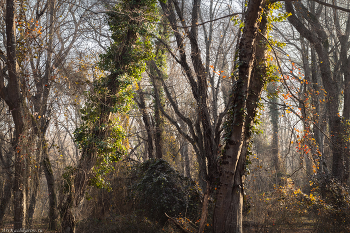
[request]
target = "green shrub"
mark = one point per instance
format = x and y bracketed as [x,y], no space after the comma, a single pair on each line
[159,189]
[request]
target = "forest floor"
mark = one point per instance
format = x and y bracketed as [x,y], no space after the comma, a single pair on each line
[248,226]
[304,226]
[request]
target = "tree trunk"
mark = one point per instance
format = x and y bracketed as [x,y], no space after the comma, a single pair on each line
[229,203]
[274,114]
[186,159]
[67,217]
[159,126]
[14,101]
[53,212]
[32,204]
[5,200]
[184,151]
[204,213]
[123,54]
[146,120]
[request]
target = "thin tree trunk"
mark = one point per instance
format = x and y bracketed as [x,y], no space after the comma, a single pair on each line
[5,200]
[158,118]
[53,212]
[274,114]
[159,128]
[146,120]
[204,213]
[184,151]
[33,199]
[186,158]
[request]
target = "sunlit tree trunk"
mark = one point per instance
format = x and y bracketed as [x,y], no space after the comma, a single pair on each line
[274,115]
[13,98]
[229,200]
[146,120]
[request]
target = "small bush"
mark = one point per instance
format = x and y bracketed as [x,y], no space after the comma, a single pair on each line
[159,189]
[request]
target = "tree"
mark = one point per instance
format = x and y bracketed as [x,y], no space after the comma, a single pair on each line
[274,115]
[13,98]
[320,41]
[100,137]
[205,128]
[40,48]
[246,94]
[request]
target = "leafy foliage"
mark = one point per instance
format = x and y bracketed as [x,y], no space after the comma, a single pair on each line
[101,135]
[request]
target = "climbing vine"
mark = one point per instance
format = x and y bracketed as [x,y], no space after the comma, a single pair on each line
[101,136]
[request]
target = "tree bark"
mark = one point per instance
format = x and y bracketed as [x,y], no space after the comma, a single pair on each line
[50,179]
[32,203]
[159,124]
[79,176]
[204,213]
[146,120]
[5,200]
[274,114]
[14,101]
[229,200]
[186,159]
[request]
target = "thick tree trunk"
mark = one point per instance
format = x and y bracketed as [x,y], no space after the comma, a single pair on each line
[78,177]
[346,111]
[229,203]
[67,217]
[14,101]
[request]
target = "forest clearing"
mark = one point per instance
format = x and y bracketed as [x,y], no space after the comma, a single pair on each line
[137,116]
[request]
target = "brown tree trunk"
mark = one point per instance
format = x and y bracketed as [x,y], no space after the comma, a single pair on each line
[6,197]
[5,200]
[229,203]
[79,176]
[186,158]
[158,118]
[274,114]
[146,120]
[32,202]
[204,213]
[53,212]
[14,101]
[159,126]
